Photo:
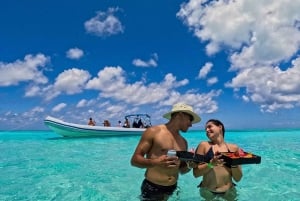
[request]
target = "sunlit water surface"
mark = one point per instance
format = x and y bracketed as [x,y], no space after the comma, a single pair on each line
[40,165]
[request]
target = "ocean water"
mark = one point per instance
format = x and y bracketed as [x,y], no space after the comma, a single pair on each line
[42,166]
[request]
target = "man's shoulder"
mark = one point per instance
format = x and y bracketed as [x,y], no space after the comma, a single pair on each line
[157,127]
[153,129]
[157,130]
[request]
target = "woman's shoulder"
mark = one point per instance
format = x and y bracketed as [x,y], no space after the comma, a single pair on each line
[232,146]
[204,144]
[202,147]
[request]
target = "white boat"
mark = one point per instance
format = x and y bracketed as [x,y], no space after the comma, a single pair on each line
[66,129]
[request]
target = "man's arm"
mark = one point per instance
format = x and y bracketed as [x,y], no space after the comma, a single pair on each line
[143,148]
[138,158]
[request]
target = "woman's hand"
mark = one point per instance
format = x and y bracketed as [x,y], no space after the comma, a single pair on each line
[216,160]
[191,164]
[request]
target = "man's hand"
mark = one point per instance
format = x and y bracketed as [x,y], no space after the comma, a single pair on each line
[166,161]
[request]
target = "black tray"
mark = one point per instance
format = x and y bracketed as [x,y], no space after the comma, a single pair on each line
[239,160]
[189,156]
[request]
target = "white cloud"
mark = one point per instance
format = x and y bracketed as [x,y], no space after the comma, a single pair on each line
[141,63]
[81,103]
[71,81]
[32,113]
[205,70]
[112,84]
[59,107]
[109,79]
[74,53]
[245,98]
[272,87]
[152,62]
[104,24]
[203,103]
[261,36]
[32,91]
[85,103]
[91,111]
[212,81]
[24,71]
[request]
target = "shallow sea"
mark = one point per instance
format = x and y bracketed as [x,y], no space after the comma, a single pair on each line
[42,166]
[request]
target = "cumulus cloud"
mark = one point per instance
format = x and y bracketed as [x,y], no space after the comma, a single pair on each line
[59,107]
[111,81]
[71,81]
[81,103]
[33,90]
[212,80]
[28,70]
[91,111]
[85,103]
[74,53]
[152,62]
[205,70]
[278,88]
[104,24]
[33,112]
[203,103]
[263,40]
[112,84]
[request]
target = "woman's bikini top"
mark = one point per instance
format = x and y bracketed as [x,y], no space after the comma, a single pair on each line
[210,154]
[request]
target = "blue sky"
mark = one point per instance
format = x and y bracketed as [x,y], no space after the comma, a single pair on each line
[237,61]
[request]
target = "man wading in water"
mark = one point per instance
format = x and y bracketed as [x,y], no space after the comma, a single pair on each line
[162,171]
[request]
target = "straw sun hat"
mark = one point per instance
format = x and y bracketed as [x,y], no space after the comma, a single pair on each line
[182,107]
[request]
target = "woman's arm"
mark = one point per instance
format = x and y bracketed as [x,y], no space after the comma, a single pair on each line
[202,168]
[236,171]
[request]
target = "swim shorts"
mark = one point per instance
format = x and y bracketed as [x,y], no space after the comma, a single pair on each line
[155,192]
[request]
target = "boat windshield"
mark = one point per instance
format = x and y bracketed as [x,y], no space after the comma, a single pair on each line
[138,120]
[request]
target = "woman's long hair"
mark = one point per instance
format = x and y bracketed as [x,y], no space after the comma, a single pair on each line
[218,123]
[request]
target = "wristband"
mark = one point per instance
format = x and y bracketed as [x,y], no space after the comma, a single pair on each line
[234,166]
[210,165]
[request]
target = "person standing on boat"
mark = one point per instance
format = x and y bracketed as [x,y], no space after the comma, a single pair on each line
[216,176]
[162,171]
[91,122]
[126,123]
[106,123]
[119,123]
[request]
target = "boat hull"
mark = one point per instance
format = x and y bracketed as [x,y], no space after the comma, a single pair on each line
[66,129]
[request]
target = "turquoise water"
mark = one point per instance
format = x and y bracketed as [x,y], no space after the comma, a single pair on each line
[39,165]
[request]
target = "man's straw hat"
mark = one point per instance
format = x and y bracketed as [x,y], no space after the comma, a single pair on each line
[182,107]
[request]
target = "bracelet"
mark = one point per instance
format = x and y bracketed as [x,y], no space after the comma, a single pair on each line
[234,166]
[210,165]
